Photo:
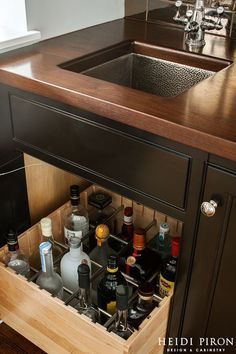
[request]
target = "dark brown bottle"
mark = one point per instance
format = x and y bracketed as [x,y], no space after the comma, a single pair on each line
[128,226]
[144,305]
[141,262]
[106,292]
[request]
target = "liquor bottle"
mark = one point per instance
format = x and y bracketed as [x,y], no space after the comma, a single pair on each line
[101,201]
[15,258]
[84,305]
[128,226]
[141,262]
[161,243]
[70,262]
[100,253]
[168,272]
[75,218]
[48,279]
[106,291]
[121,326]
[46,236]
[144,305]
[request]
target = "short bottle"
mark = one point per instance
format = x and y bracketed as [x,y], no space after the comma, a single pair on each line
[101,201]
[141,262]
[161,243]
[144,305]
[15,258]
[70,262]
[84,305]
[100,253]
[168,271]
[127,231]
[75,218]
[48,279]
[46,236]
[106,291]
[121,326]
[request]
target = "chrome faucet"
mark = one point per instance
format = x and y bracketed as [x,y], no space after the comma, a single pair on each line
[197,20]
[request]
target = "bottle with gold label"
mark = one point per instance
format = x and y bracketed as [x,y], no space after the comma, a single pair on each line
[168,272]
[100,253]
[141,262]
[106,291]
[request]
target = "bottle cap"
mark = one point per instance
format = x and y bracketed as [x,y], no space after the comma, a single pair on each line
[45,247]
[128,211]
[74,242]
[100,199]
[46,227]
[84,274]
[139,240]
[146,289]
[175,246]
[74,191]
[102,232]
[164,228]
[11,236]
[112,264]
[122,297]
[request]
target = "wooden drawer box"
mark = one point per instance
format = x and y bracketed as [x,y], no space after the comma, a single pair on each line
[57,328]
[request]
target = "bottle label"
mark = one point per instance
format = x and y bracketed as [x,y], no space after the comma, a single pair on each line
[70,233]
[128,219]
[166,286]
[111,307]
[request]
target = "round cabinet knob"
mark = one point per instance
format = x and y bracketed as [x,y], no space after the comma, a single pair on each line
[209,208]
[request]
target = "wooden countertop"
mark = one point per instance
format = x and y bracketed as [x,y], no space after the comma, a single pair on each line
[203,117]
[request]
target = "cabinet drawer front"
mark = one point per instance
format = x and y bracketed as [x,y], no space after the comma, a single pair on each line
[144,167]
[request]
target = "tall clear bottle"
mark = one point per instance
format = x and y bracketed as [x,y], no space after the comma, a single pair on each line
[75,218]
[46,236]
[15,258]
[70,262]
[84,305]
[121,326]
[48,279]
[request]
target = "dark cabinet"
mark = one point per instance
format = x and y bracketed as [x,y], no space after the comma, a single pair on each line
[211,310]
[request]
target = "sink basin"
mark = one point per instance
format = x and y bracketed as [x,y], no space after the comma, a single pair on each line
[157,70]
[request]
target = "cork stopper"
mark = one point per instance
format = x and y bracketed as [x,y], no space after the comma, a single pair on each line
[139,240]
[46,227]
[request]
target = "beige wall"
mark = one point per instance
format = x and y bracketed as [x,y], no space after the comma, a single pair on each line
[134,6]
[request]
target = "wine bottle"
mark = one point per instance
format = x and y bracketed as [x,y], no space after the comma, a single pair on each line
[161,243]
[128,226]
[100,253]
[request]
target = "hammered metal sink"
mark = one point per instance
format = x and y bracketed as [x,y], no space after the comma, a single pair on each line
[157,70]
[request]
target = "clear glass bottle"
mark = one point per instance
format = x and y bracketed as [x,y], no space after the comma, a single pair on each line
[46,236]
[161,243]
[15,258]
[84,305]
[75,218]
[100,253]
[106,290]
[48,279]
[70,262]
[121,326]
[168,271]
[144,305]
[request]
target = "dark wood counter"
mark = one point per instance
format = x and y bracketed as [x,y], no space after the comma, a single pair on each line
[203,117]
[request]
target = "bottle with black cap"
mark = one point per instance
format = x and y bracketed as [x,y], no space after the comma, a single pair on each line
[84,305]
[121,327]
[75,218]
[144,305]
[15,258]
[106,292]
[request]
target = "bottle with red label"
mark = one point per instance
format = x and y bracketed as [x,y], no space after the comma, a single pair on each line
[128,226]
[168,272]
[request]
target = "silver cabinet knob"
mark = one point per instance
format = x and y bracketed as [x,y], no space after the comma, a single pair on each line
[209,208]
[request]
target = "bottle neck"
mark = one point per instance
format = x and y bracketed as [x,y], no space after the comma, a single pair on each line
[101,242]
[121,320]
[13,246]
[47,263]
[75,252]
[74,202]
[84,298]
[144,301]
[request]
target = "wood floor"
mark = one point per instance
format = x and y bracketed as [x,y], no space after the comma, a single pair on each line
[12,342]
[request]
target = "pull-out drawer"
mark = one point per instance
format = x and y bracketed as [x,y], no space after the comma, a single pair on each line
[58,328]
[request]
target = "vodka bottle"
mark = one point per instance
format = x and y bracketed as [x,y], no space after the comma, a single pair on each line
[84,305]
[48,279]
[75,218]
[70,262]
[121,326]
[15,258]
[46,236]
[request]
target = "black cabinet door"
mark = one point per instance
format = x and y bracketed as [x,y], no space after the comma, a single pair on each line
[211,309]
